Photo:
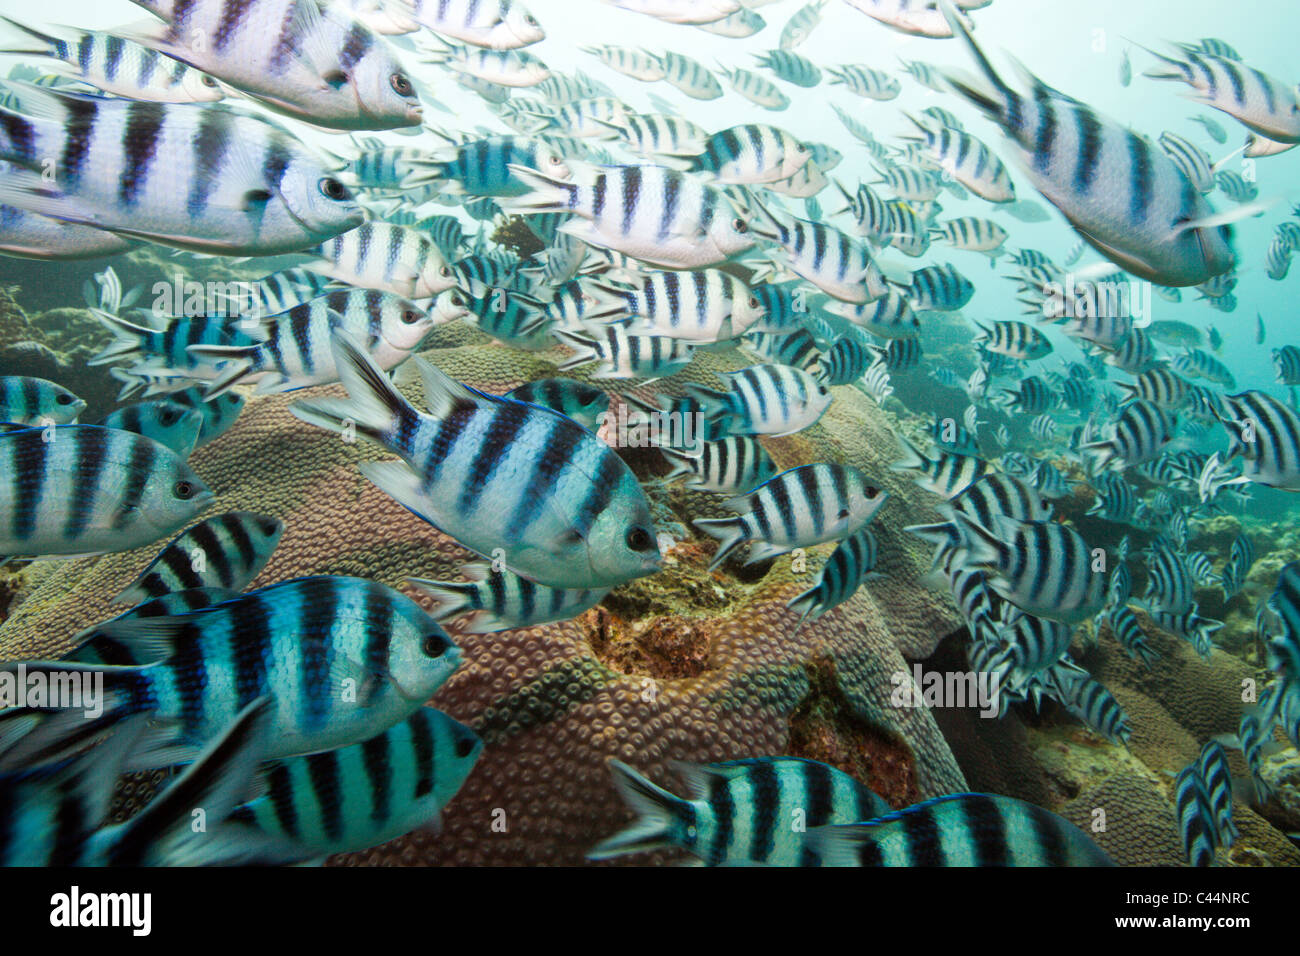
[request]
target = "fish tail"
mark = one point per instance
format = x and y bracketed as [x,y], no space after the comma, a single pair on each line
[656,811]
[50,42]
[163,832]
[584,349]
[912,459]
[545,193]
[238,362]
[373,406]
[453,597]
[712,404]
[680,461]
[730,533]
[988,103]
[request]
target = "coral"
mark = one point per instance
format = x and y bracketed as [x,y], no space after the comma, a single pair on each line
[684,665]
[1140,828]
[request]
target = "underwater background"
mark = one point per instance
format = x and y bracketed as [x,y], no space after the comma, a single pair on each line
[701,664]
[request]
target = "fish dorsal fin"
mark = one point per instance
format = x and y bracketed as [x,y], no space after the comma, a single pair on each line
[443,395]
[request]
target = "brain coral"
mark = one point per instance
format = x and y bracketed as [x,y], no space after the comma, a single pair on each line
[685,665]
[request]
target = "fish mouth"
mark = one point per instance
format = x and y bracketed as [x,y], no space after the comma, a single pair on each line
[447,665]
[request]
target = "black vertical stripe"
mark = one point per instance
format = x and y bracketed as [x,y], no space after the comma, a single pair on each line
[140,140]
[323,770]
[376,754]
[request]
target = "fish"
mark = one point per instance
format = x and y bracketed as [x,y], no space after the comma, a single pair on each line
[756,89]
[59,813]
[340,658]
[25,400]
[742,23]
[585,404]
[846,361]
[359,796]
[798,508]
[691,77]
[750,154]
[851,564]
[824,256]
[296,57]
[766,400]
[173,426]
[119,65]
[1089,701]
[948,475]
[1258,101]
[704,306]
[484,166]
[1266,435]
[965,829]
[865,82]
[737,813]
[1149,225]
[1016,340]
[1141,433]
[791,67]
[561,506]
[698,229]
[681,11]
[623,355]
[734,465]
[1128,631]
[263,193]
[939,289]
[379,255]
[224,551]
[296,351]
[217,415]
[966,160]
[1195,817]
[84,489]
[499,25]
[493,600]
[1041,567]
[511,68]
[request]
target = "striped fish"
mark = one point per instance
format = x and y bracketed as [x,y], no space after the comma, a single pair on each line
[1235,186]
[1140,435]
[509,68]
[791,67]
[379,255]
[766,400]
[493,601]
[496,473]
[1093,704]
[964,829]
[852,563]
[217,415]
[57,815]
[756,89]
[1115,500]
[585,404]
[801,24]
[622,355]
[1237,568]
[925,74]
[1194,162]
[1033,397]
[1266,434]
[638,64]
[172,425]
[1201,364]
[32,401]
[795,509]
[846,361]
[940,289]
[1042,567]
[1212,768]
[1170,585]
[356,797]
[225,551]
[972,234]
[1195,817]
[655,214]
[1124,625]
[484,167]
[691,77]
[900,354]
[496,24]
[1155,226]
[751,153]
[1158,386]
[666,137]
[823,255]
[1258,101]
[296,352]
[1190,626]
[83,489]
[164,352]
[948,475]
[734,465]
[704,306]
[349,79]
[875,382]
[1286,361]
[1017,340]
[119,66]
[739,812]
[865,82]
[198,177]
[888,317]
[340,658]
[966,160]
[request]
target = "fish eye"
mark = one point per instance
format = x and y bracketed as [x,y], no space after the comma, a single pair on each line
[401,85]
[65,399]
[169,416]
[331,188]
[753,302]
[183,490]
[435,645]
[639,539]
[269,525]
[464,747]
[445,272]
[739,225]
[208,81]
[410,316]
[530,20]
[871,492]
